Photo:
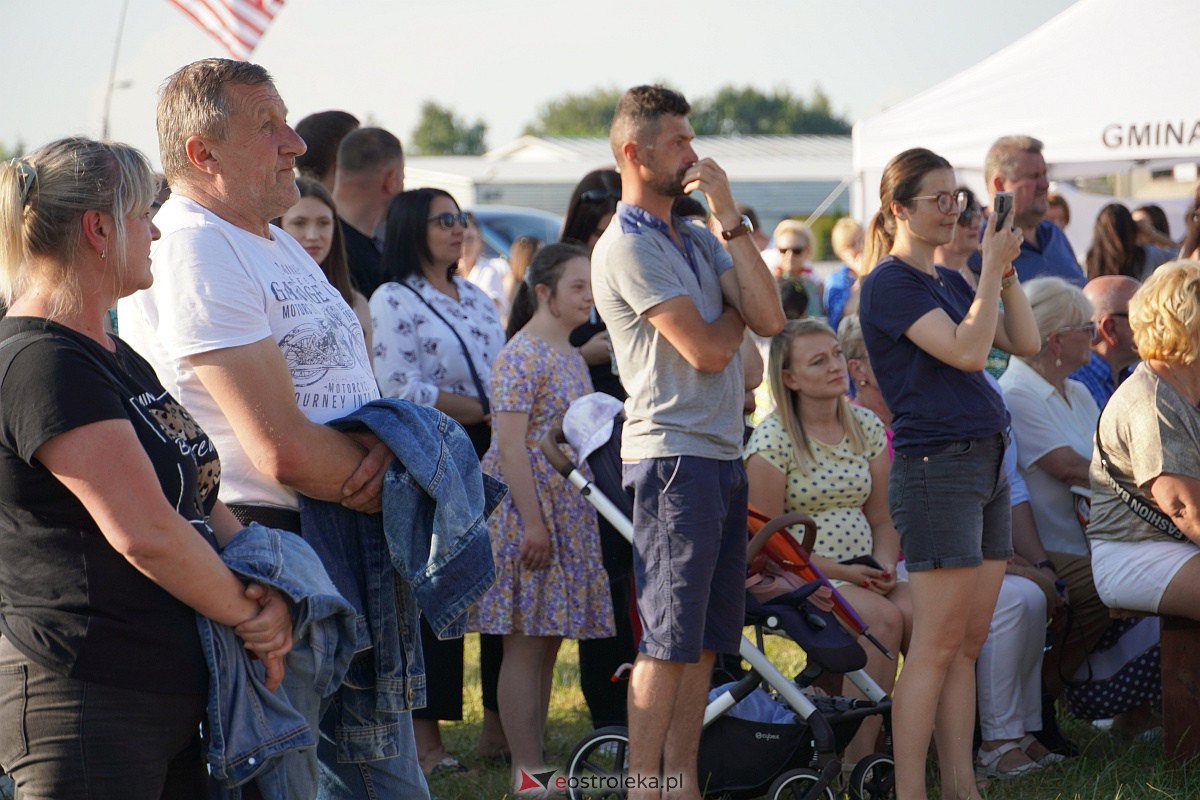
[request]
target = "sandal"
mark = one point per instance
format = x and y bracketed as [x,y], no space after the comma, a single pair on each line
[449,765]
[988,763]
[1051,757]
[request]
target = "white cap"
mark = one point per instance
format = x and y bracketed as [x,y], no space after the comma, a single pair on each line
[588,423]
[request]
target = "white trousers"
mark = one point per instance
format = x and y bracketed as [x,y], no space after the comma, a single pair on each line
[1009,669]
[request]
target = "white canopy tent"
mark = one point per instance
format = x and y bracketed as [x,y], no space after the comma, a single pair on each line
[1103,85]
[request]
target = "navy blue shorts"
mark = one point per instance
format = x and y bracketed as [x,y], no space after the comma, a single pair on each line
[952,507]
[689,554]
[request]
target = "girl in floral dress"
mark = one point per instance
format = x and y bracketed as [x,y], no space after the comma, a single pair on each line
[550,580]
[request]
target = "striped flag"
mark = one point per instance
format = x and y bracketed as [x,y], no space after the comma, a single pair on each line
[237,24]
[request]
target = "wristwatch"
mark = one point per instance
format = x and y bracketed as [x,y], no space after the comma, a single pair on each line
[742,229]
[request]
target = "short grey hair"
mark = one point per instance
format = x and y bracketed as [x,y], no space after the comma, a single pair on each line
[1002,155]
[193,102]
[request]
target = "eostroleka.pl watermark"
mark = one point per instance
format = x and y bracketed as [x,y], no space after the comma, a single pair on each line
[554,782]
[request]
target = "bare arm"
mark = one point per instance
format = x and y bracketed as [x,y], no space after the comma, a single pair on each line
[707,346]
[885,540]
[135,518]
[517,471]
[1065,465]
[252,386]
[965,346]
[767,486]
[460,408]
[749,287]
[1179,498]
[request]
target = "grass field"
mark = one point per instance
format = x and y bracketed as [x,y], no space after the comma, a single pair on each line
[1109,769]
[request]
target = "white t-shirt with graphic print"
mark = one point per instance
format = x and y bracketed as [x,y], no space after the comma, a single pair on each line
[216,286]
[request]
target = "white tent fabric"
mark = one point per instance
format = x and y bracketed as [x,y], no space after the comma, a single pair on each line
[1103,85]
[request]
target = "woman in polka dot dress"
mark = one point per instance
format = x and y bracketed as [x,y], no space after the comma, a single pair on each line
[819,455]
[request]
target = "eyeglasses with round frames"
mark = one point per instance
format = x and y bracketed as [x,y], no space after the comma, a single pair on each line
[947,202]
[446,220]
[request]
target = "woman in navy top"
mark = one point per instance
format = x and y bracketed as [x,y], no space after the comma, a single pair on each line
[928,336]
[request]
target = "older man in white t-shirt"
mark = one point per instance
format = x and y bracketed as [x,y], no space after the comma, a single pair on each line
[244,329]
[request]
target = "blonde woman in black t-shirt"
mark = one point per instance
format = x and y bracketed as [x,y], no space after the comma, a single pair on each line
[108,503]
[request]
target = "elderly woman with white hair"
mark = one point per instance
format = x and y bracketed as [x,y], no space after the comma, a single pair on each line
[1053,421]
[1145,470]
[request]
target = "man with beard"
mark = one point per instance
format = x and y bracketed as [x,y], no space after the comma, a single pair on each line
[1015,164]
[677,304]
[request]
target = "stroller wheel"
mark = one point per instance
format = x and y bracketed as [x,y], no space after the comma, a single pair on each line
[874,778]
[598,765]
[798,784]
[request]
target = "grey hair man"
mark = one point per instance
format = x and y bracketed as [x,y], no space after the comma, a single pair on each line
[370,172]
[1113,348]
[245,331]
[1015,164]
[676,304]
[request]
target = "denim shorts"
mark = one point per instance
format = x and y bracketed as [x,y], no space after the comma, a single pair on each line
[951,507]
[689,554]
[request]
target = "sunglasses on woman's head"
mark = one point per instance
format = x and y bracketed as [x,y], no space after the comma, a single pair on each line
[446,220]
[596,195]
[970,215]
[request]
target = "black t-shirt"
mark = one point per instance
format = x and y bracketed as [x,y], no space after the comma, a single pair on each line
[364,259]
[68,600]
[603,379]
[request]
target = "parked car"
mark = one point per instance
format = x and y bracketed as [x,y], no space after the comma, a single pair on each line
[500,226]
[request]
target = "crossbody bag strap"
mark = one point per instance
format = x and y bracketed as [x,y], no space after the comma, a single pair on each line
[483,396]
[1144,509]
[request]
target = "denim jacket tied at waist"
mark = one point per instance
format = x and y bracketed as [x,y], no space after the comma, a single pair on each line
[427,552]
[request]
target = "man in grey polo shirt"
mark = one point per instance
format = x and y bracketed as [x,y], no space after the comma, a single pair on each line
[677,304]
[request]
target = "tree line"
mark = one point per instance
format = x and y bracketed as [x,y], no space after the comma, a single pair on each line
[730,111]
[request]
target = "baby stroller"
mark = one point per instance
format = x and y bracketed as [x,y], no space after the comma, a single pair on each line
[795,759]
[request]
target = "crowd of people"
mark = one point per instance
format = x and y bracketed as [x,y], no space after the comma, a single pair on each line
[327,408]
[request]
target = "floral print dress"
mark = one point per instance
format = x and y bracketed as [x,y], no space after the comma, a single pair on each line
[570,597]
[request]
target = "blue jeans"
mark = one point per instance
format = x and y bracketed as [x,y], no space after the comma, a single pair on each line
[398,777]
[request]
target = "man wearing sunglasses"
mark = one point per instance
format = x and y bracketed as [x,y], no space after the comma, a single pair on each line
[244,328]
[1015,164]
[1113,349]
[677,304]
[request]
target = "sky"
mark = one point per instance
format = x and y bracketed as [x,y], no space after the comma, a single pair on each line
[495,60]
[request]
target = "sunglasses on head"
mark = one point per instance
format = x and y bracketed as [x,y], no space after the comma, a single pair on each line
[446,220]
[597,195]
[970,215]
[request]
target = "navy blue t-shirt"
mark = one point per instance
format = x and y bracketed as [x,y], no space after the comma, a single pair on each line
[932,403]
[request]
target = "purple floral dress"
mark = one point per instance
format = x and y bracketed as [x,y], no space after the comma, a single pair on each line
[569,598]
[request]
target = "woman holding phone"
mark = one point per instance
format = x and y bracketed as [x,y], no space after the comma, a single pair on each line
[928,336]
